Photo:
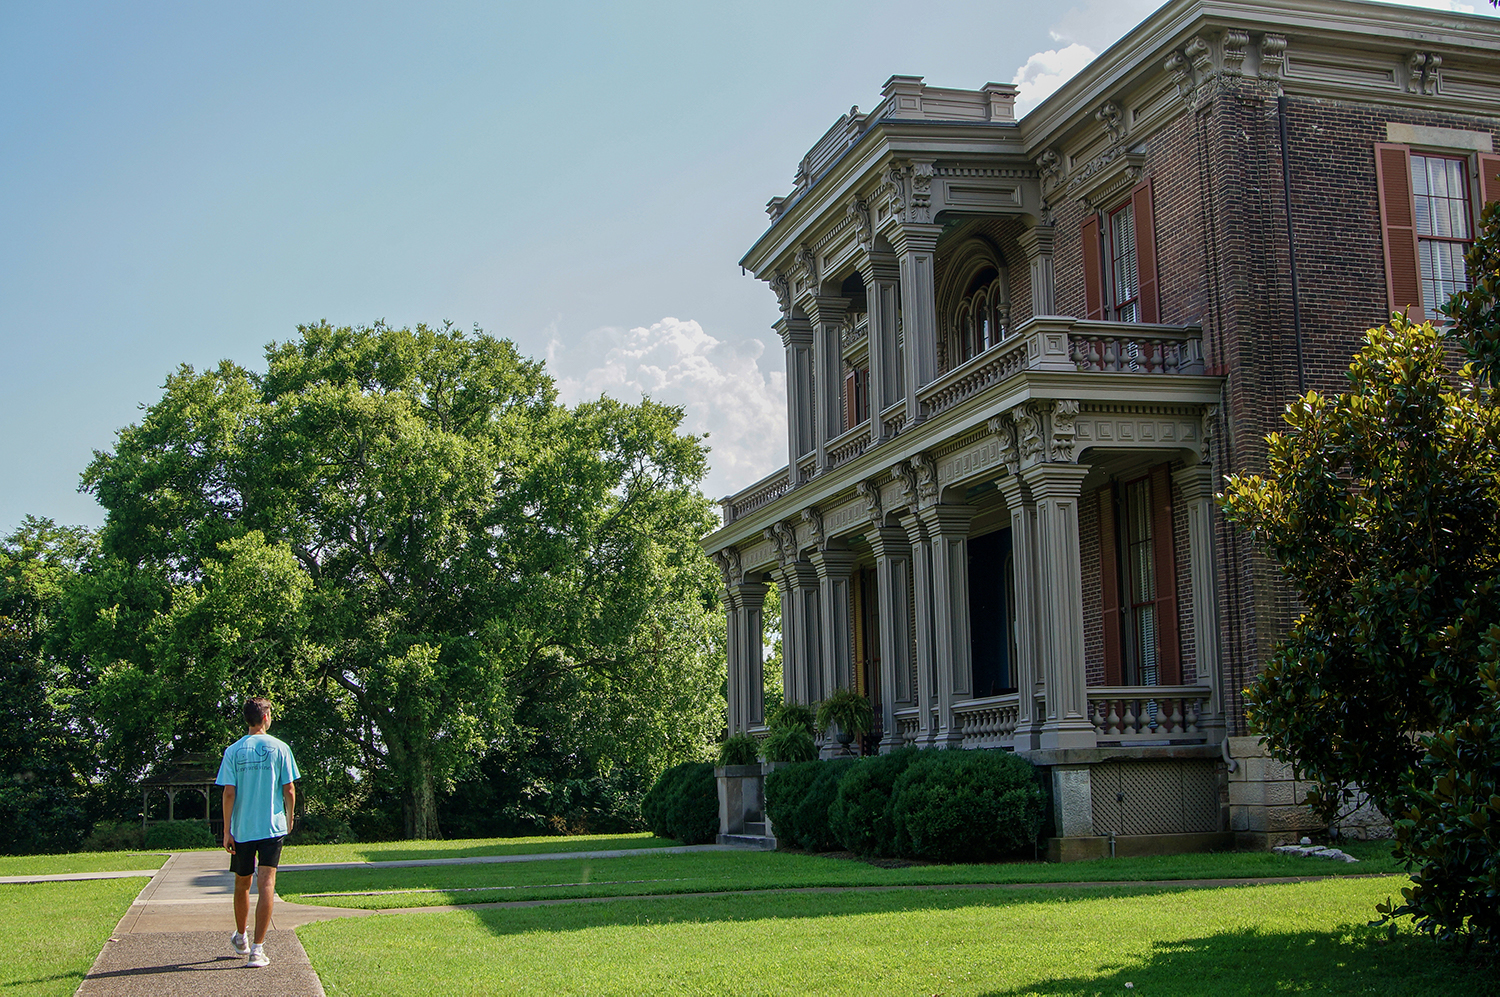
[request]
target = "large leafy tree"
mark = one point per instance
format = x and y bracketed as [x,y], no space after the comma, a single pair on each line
[1382,507]
[46,760]
[404,536]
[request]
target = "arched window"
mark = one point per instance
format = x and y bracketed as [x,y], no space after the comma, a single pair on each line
[974,301]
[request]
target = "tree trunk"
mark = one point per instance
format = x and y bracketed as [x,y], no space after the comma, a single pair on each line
[421,802]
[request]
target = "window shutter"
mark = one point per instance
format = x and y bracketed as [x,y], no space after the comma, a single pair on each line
[1145,251]
[1109,587]
[1489,178]
[1398,226]
[849,399]
[1093,270]
[1168,656]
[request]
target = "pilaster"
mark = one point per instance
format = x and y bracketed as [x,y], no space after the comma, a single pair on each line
[882,275]
[748,598]
[948,530]
[921,575]
[801,629]
[797,336]
[893,594]
[1197,484]
[1055,487]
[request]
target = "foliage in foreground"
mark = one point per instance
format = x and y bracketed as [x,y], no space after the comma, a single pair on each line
[684,804]
[1382,507]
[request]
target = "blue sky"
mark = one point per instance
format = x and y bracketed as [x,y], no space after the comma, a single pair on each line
[184,182]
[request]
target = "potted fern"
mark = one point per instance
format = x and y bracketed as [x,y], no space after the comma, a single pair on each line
[849,712]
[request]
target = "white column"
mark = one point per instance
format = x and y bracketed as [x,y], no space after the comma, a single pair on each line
[916,248]
[882,275]
[797,336]
[1036,243]
[921,576]
[893,586]
[1197,484]
[834,566]
[948,530]
[827,314]
[1055,488]
[750,600]
[1028,672]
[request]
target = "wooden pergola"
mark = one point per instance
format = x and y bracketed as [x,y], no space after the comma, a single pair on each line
[193,773]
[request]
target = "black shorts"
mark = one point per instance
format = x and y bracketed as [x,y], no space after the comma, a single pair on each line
[267,851]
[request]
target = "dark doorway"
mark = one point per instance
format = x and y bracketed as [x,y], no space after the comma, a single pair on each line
[989,613]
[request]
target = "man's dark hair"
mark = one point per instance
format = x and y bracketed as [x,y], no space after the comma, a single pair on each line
[256,711]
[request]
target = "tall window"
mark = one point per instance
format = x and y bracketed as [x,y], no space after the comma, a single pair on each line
[1140,586]
[1138,581]
[1440,195]
[981,317]
[1125,282]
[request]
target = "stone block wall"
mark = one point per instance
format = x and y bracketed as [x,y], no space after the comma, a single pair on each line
[1267,803]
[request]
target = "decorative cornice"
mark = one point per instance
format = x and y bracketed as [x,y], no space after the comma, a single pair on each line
[813,517]
[730,566]
[908,478]
[1112,119]
[858,213]
[1106,178]
[1028,433]
[1422,73]
[1005,429]
[925,469]
[870,491]
[1210,417]
[1064,412]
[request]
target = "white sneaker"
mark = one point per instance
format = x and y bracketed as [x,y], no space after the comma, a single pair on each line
[258,957]
[240,942]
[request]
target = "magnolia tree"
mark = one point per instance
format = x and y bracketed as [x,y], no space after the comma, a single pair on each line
[1382,508]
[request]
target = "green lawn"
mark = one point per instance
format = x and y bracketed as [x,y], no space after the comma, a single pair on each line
[47,865]
[713,871]
[1306,938]
[402,851]
[51,932]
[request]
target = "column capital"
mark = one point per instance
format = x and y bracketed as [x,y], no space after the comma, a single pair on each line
[1013,490]
[915,237]
[1037,240]
[794,330]
[824,308]
[1055,481]
[944,520]
[833,559]
[878,265]
[888,541]
[1196,481]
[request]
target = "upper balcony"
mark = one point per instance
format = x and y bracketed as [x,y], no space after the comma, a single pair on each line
[1116,358]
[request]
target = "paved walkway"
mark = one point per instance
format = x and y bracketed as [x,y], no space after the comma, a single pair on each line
[174,940]
[66,877]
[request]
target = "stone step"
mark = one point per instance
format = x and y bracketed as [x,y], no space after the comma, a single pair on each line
[757,842]
[757,828]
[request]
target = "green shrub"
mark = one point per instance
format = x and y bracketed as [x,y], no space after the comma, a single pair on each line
[813,831]
[692,809]
[789,744]
[966,806]
[654,803]
[741,749]
[40,819]
[115,836]
[179,835]
[785,788]
[791,715]
[860,815]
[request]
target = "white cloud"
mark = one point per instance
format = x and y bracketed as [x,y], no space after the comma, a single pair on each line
[735,392]
[1045,71]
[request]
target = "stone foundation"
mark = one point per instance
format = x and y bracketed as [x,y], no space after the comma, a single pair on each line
[1267,803]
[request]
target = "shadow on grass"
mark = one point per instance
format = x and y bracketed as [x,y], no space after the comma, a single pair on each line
[1348,959]
[421,850]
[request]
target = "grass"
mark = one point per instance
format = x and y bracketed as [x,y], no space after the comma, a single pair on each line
[405,851]
[716,871]
[47,865]
[1306,938]
[51,932]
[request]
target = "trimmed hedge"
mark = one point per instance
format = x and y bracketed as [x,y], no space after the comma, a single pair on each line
[785,788]
[860,815]
[966,806]
[684,804]
[179,835]
[813,831]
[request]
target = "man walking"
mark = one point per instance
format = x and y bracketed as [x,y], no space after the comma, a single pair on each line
[258,775]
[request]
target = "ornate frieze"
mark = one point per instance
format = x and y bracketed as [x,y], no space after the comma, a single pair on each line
[783,291]
[730,566]
[1112,119]
[1422,73]
[908,479]
[1064,412]
[858,213]
[1049,166]
[927,484]
[1028,432]
[813,517]
[1235,42]
[1272,57]
[804,271]
[1210,416]
[1004,431]
[869,490]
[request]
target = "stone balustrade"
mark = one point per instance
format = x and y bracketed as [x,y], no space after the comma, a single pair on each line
[1133,714]
[990,367]
[1119,348]
[988,723]
[763,492]
[850,445]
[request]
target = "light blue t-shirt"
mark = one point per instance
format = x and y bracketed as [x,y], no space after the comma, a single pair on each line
[257,766]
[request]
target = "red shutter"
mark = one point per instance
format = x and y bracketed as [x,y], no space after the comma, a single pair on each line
[849,401]
[1168,656]
[1398,226]
[1145,251]
[1093,270]
[1489,178]
[1109,588]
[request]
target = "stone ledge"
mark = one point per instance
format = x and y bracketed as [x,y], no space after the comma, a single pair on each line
[1082,849]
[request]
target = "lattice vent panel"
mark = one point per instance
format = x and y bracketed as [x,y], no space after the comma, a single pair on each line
[1173,797]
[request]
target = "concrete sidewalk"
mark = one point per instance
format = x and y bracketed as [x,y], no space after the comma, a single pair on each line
[174,940]
[69,877]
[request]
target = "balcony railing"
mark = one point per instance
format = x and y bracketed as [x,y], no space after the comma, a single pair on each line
[850,445]
[763,492]
[1137,714]
[988,723]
